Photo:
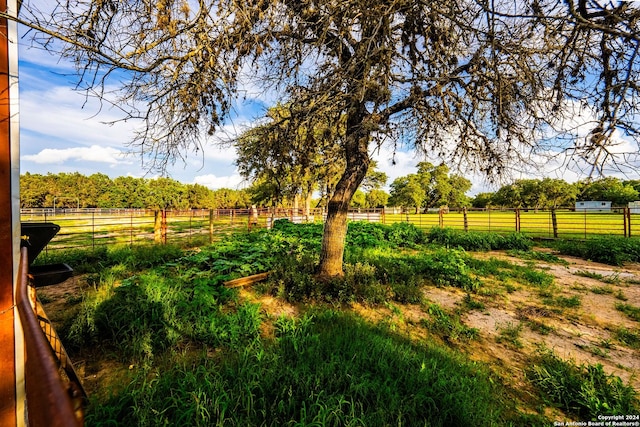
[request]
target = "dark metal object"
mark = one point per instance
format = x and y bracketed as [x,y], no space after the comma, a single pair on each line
[36,236]
[50,274]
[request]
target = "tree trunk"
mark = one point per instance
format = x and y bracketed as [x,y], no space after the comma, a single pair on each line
[335,226]
[307,203]
[296,204]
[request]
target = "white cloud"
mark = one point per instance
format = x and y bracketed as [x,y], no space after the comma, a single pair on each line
[58,112]
[400,163]
[95,153]
[234,181]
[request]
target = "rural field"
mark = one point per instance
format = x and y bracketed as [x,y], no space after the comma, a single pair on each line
[195,227]
[569,224]
[427,328]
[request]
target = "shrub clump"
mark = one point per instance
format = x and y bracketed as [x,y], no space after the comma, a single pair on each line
[612,250]
[364,234]
[476,241]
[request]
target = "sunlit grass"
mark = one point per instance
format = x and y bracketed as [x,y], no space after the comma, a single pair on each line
[539,224]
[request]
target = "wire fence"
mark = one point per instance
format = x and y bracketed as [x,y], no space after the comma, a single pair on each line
[89,228]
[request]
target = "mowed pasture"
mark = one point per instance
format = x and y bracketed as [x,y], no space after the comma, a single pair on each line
[80,229]
[92,229]
[570,224]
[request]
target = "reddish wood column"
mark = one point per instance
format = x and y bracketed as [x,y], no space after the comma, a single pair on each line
[7,331]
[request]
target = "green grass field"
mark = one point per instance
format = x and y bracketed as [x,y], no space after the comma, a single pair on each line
[86,230]
[535,224]
[81,230]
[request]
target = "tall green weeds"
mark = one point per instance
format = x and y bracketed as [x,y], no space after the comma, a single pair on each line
[477,241]
[94,260]
[326,368]
[585,391]
[611,250]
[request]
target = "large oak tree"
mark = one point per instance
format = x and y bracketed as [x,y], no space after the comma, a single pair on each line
[479,83]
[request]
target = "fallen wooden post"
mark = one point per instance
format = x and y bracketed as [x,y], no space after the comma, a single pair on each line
[244,281]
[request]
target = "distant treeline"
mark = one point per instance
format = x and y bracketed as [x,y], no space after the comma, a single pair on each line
[553,193]
[72,190]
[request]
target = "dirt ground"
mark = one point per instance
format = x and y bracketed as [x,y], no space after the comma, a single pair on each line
[584,333]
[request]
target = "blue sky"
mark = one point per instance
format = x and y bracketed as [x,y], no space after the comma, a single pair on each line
[62,131]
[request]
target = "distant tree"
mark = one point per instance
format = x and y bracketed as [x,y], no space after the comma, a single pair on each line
[508,196]
[289,161]
[97,191]
[536,194]
[443,189]
[129,192]
[33,191]
[608,189]
[359,200]
[231,199]
[165,193]
[431,186]
[482,200]
[374,179]
[377,199]
[635,183]
[199,196]
[558,193]
[407,192]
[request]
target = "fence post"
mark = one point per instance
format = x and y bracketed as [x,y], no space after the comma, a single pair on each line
[157,227]
[517,213]
[554,222]
[465,219]
[441,217]
[164,226]
[93,230]
[211,226]
[626,212]
[130,227]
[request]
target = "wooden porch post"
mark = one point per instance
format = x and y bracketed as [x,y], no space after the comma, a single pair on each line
[8,226]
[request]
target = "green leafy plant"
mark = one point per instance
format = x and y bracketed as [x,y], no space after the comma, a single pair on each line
[589,274]
[471,303]
[585,391]
[621,296]
[611,250]
[447,325]
[476,241]
[631,311]
[563,302]
[509,334]
[628,337]
[539,327]
[602,290]
[505,271]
